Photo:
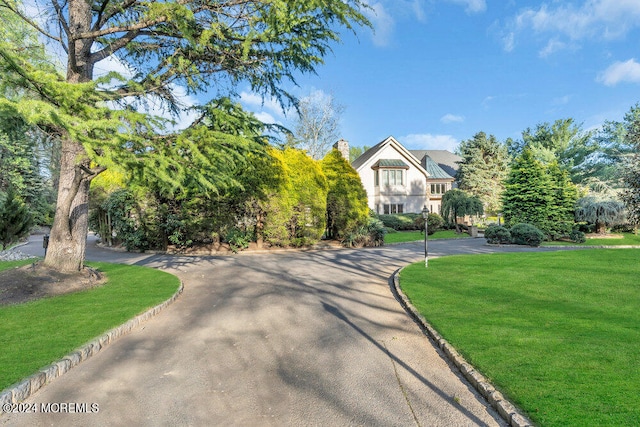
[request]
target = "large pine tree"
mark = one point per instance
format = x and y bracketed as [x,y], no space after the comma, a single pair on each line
[484,168]
[528,194]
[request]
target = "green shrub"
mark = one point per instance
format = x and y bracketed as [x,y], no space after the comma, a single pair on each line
[577,236]
[526,234]
[401,222]
[497,234]
[239,239]
[371,234]
[434,221]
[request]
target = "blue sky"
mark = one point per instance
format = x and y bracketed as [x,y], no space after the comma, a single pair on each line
[435,72]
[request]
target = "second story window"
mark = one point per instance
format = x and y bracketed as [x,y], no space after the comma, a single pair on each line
[438,188]
[392,177]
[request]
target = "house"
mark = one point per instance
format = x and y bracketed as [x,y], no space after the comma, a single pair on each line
[398,180]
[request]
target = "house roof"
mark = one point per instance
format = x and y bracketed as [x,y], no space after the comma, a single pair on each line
[447,161]
[368,156]
[434,171]
[390,163]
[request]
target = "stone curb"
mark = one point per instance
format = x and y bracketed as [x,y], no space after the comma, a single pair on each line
[27,387]
[506,409]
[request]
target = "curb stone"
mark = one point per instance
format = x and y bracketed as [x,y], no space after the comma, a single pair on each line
[27,387]
[506,409]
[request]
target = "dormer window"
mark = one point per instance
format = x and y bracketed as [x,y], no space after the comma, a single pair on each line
[389,172]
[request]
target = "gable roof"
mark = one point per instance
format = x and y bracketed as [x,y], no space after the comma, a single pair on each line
[371,152]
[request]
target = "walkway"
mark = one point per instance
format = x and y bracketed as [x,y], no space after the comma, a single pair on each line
[292,338]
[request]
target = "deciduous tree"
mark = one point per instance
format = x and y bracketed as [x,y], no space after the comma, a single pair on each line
[317,125]
[457,204]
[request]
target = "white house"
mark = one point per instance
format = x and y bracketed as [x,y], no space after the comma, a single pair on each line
[398,180]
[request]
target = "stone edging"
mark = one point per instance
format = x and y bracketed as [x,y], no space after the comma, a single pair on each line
[506,409]
[27,387]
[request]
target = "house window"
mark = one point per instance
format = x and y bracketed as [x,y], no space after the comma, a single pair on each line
[376,177]
[438,188]
[393,208]
[392,177]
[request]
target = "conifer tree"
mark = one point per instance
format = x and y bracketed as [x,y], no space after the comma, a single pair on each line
[528,194]
[484,168]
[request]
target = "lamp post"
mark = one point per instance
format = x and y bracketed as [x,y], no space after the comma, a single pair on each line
[425,215]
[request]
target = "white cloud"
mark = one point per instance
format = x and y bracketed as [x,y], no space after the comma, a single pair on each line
[383,24]
[472,6]
[266,110]
[553,46]
[618,72]
[427,141]
[562,100]
[451,118]
[593,19]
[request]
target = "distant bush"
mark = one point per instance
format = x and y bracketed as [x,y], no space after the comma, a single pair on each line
[577,236]
[434,221]
[400,222]
[497,234]
[526,234]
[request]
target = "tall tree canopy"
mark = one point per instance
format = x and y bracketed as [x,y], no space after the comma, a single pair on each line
[562,141]
[540,195]
[484,168]
[208,45]
[317,126]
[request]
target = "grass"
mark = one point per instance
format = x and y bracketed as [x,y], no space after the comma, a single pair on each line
[558,333]
[6,265]
[412,236]
[34,334]
[628,239]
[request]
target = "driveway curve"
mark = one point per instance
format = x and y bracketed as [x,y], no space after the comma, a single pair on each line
[289,338]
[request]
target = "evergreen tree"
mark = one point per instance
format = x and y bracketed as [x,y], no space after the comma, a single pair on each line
[484,168]
[347,206]
[15,219]
[561,212]
[528,194]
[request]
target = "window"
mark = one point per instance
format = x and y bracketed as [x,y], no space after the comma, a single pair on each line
[393,208]
[438,188]
[376,177]
[392,177]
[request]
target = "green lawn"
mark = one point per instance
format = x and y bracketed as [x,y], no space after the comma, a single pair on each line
[411,236]
[628,239]
[558,333]
[34,334]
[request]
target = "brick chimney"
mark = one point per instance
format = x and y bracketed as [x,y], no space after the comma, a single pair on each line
[343,147]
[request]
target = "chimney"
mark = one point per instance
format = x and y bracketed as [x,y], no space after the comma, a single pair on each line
[343,147]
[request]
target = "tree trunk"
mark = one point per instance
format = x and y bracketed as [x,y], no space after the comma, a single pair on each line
[68,239]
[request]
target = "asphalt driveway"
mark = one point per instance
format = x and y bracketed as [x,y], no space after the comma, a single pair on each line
[291,338]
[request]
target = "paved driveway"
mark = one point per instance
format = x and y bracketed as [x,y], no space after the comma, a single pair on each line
[292,338]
